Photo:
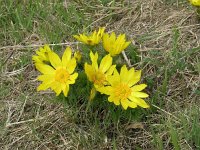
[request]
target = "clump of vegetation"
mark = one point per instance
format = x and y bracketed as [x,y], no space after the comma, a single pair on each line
[163,42]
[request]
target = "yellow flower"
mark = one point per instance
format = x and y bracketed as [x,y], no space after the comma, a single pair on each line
[60,74]
[195,2]
[92,39]
[122,89]
[78,56]
[98,74]
[42,54]
[114,45]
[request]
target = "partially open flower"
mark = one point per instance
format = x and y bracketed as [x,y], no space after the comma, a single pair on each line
[98,73]
[114,45]
[92,39]
[42,54]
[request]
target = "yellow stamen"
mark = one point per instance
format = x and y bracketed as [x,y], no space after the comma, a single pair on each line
[99,78]
[122,91]
[62,75]
[89,41]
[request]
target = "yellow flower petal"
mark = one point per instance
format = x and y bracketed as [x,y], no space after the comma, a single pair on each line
[139,102]
[139,87]
[100,32]
[126,45]
[47,48]
[37,59]
[135,79]
[66,56]
[105,90]
[89,70]
[45,69]
[114,99]
[41,55]
[132,104]
[46,77]
[111,99]
[124,103]
[140,94]
[54,85]
[57,87]
[58,90]
[94,58]
[71,65]
[130,75]
[111,70]
[119,43]
[85,39]
[72,78]
[114,79]
[106,63]
[113,37]
[43,86]
[65,89]
[54,60]
[77,37]
[123,73]
[106,43]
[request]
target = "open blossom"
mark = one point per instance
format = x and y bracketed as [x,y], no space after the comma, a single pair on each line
[122,89]
[92,39]
[98,73]
[114,45]
[58,75]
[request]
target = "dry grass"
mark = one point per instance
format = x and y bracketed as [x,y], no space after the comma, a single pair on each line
[30,120]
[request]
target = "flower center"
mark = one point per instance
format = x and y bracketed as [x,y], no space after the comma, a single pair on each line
[122,91]
[99,78]
[89,41]
[62,75]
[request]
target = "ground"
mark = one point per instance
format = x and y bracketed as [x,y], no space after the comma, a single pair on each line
[166,35]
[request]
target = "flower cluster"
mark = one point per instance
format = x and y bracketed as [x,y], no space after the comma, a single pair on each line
[121,85]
